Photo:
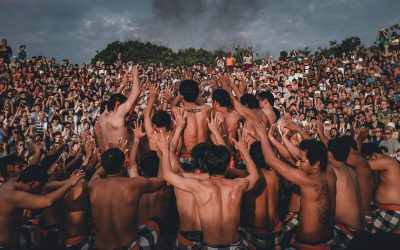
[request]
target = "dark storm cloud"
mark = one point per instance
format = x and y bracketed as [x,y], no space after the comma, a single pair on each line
[76,29]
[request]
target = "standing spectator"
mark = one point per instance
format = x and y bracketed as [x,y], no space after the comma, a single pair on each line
[220,62]
[247,61]
[384,40]
[5,51]
[22,53]
[229,62]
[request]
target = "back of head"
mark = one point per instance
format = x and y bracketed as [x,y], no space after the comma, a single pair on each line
[34,173]
[350,141]
[189,89]
[369,149]
[339,148]
[222,97]
[267,95]
[197,162]
[115,100]
[149,164]
[113,160]
[216,159]
[6,161]
[250,101]
[257,155]
[315,151]
[161,119]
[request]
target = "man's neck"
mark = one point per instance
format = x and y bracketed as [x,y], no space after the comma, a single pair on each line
[189,104]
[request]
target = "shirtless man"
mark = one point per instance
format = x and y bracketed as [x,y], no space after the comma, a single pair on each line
[190,233]
[196,130]
[20,193]
[160,120]
[261,205]
[317,184]
[218,199]
[349,217]
[387,194]
[248,107]
[111,126]
[222,104]
[114,202]
[267,105]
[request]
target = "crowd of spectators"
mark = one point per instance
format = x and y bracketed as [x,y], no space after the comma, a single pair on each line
[54,102]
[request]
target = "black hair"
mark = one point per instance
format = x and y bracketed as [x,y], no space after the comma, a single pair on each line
[350,140]
[257,155]
[149,164]
[103,106]
[368,149]
[267,95]
[113,160]
[114,99]
[340,148]
[7,160]
[161,119]
[34,173]
[216,159]
[222,97]
[197,161]
[277,113]
[315,151]
[189,89]
[250,101]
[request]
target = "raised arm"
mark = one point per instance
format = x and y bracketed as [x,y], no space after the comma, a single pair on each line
[242,146]
[133,95]
[186,184]
[214,124]
[293,149]
[247,113]
[26,200]
[320,132]
[382,163]
[283,151]
[292,174]
[180,122]
[138,134]
[153,94]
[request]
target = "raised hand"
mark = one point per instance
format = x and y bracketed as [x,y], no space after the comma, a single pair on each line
[260,129]
[215,122]
[361,134]
[225,82]
[289,124]
[242,144]
[161,141]
[138,131]
[272,131]
[118,144]
[154,91]
[75,177]
[180,118]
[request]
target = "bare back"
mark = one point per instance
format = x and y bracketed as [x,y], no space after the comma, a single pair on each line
[262,203]
[187,207]
[219,202]
[388,190]
[110,128]
[114,202]
[75,211]
[348,198]
[317,208]
[196,130]
[10,217]
[154,205]
[231,125]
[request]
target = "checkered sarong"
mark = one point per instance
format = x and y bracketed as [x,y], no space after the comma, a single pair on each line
[262,239]
[343,235]
[147,237]
[386,218]
[242,244]
[189,241]
[289,228]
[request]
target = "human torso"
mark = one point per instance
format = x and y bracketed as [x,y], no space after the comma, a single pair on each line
[110,128]
[187,207]
[114,203]
[317,209]
[348,198]
[388,190]
[219,210]
[153,205]
[196,130]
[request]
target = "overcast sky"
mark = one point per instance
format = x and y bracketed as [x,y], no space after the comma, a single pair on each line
[75,29]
